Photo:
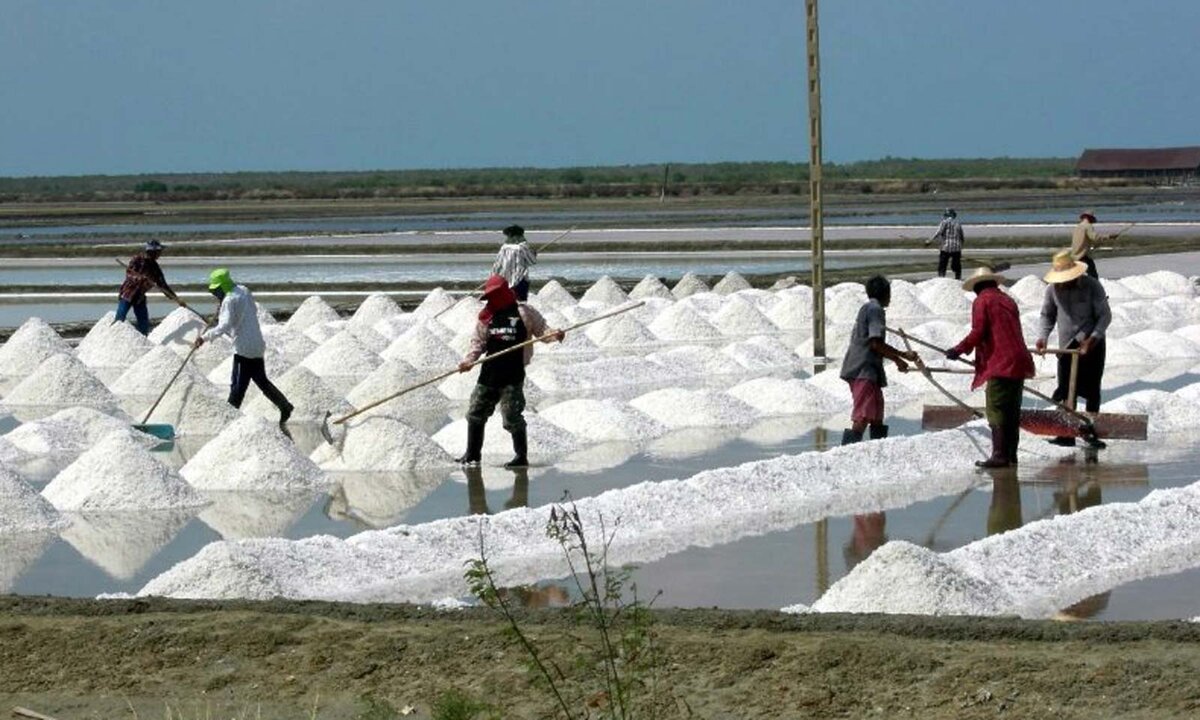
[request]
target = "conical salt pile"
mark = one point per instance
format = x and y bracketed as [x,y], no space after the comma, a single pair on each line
[436,301]
[310,396]
[342,361]
[774,396]
[604,420]
[321,332]
[252,454]
[462,316]
[1158,284]
[22,510]
[265,317]
[689,284]
[179,327]
[944,296]
[843,307]
[648,287]
[196,410]
[368,336]
[705,408]
[422,349]
[606,292]
[553,295]
[378,443]
[210,355]
[120,474]
[681,323]
[762,352]
[620,331]
[792,312]
[391,328]
[1117,291]
[152,371]
[32,344]
[293,344]
[696,361]
[741,317]
[111,345]
[69,432]
[391,377]
[377,306]
[63,381]
[313,311]
[1029,291]
[731,283]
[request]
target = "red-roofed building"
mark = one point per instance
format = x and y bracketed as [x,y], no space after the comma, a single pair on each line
[1181,163]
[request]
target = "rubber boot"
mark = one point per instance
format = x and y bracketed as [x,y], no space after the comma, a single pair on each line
[474,444]
[849,436]
[1012,438]
[520,450]
[878,431]
[999,458]
[1062,441]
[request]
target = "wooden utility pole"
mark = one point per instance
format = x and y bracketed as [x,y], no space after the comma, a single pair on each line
[816,218]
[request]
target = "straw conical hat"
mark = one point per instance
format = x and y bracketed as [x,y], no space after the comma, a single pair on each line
[1064,268]
[980,275]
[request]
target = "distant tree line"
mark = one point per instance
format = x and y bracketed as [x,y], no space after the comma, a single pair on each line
[884,175]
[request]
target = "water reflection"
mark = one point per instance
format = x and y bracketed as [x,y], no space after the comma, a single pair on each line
[477,503]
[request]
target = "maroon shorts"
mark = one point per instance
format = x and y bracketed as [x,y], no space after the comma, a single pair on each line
[868,401]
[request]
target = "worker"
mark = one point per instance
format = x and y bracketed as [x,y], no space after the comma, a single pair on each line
[950,233]
[1078,305]
[514,260]
[1002,361]
[862,367]
[141,274]
[1083,242]
[238,319]
[503,323]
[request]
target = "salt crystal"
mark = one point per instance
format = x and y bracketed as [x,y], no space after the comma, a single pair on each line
[682,323]
[210,355]
[1176,310]
[620,331]
[109,345]
[1164,345]
[942,333]
[689,284]
[309,395]
[605,292]
[731,283]
[22,510]
[62,381]
[761,352]
[547,441]
[740,317]
[119,474]
[380,443]
[377,306]
[313,311]
[554,295]
[422,349]
[650,287]
[342,356]
[604,420]
[682,408]
[265,317]
[252,454]
[705,303]
[435,302]
[696,361]
[773,396]
[906,304]
[575,343]
[391,377]
[32,344]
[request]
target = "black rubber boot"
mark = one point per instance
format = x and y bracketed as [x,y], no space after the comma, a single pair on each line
[1012,438]
[520,450]
[474,444]
[849,437]
[285,412]
[1062,441]
[999,458]
[879,431]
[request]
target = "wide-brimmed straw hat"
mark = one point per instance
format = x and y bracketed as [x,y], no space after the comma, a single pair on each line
[980,275]
[1064,268]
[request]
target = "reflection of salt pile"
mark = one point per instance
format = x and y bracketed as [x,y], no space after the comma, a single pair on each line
[731,283]
[696,361]
[1029,291]
[761,352]
[391,377]
[773,396]
[681,322]
[63,381]
[18,553]
[422,349]
[379,443]
[342,361]
[553,295]
[904,578]
[649,287]
[436,301]
[606,292]
[620,331]
[681,408]
[252,454]
[32,344]
[309,395]
[119,474]
[944,296]
[547,441]
[380,499]
[1160,283]
[313,311]
[121,543]
[237,515]
[603,420]
[22,510]
[741,317]
[793,311]
[376,307]
[688,285]
[111,345]
[152,371]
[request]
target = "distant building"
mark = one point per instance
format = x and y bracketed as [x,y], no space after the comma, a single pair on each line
[1175,164]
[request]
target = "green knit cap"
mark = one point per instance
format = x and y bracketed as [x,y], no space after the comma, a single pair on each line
[219,278]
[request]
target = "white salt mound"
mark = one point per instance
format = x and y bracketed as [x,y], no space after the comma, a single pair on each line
[32,344]
[741,317]
[696,361]
[22,510]
[196,410]
[120,474]
[179,327]
[944,296]
[943,333]
[1167,412]
[1164,345]
[843,307]
[681,408]
[395,326]
[436,301]
[462,316]
[376,307]
[152,371]
[320,332]
[343,355]
[110,344]
[791,396]
[680,322]
[379,443]
[731,283]
[605,292]
[903,578]
[275,362]
[554,295]
[293,344]
[604,420]
[422,349]
[1158,284]
[63,381]
[547,441]
[906,304]
[761,352]
[252,454]
[391,377]
[70,431]
[650,287]
[688,285]
[308,394]
[620,331]
[313,311]
[604,373]
[792,312]
[1029,291]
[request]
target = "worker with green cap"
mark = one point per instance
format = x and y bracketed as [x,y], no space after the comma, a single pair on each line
[238,319]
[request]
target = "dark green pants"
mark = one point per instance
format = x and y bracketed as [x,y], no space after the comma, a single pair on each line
[511,399]
[1004,402]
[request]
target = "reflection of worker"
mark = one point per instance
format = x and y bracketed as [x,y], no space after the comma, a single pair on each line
[950,233]
[1004,513]
[477,493]
[1083,241]
[868,535]
[1072,499]
[514,260]
[141,274]
[862,367]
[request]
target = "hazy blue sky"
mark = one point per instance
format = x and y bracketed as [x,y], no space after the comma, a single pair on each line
[117,86]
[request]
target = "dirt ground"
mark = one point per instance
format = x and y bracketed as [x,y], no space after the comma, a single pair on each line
[185,660]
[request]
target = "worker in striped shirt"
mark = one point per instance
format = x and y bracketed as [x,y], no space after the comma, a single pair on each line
[514,260]
[950,233]
[141,274]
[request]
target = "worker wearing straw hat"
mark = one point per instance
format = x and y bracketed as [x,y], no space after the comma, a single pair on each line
[1002,361]
[1083,242]
[1078,305]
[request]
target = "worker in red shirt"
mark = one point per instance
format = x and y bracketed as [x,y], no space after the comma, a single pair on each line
[141,274]
[1002,360]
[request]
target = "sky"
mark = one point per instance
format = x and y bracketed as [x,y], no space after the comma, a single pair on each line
[145,86]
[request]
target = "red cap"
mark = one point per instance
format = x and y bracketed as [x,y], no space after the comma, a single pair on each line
[498,296]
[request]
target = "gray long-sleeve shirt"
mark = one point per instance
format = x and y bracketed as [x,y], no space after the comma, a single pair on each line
[1079,309]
